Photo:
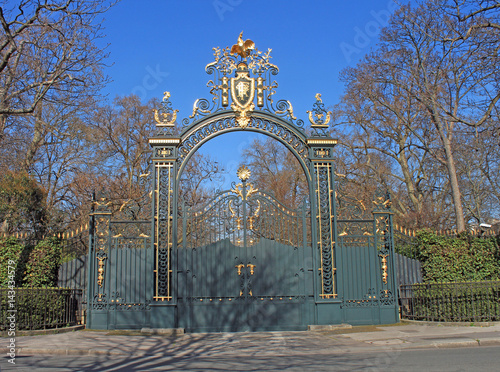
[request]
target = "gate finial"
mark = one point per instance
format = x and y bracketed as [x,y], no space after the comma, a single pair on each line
[242,48]
[243,173]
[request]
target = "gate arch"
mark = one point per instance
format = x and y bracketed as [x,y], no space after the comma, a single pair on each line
[349,276]
[292,137]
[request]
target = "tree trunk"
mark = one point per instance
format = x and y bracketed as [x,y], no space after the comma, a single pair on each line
[455,189]
[3,123]
[35,141]
[414,195]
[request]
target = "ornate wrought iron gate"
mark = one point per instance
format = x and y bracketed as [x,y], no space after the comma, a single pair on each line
[241,263]
[244,261]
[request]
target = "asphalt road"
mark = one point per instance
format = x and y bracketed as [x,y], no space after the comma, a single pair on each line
[457,359]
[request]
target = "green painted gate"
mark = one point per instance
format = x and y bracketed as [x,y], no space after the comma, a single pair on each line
[241,264]
[243,261]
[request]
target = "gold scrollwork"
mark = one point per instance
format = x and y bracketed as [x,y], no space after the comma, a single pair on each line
[385,275]
[100,271]
[238,190]
[382,202]
[167,120]
[197,108]
[289,110]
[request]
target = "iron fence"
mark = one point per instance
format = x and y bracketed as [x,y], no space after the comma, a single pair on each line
[451,302]
[40,308]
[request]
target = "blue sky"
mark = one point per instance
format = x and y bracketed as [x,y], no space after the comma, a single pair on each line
[164,45]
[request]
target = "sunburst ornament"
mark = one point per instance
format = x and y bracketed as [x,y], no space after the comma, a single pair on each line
[243,173]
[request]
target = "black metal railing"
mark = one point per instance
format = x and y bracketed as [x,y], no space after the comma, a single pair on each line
[41,308]
[451,302]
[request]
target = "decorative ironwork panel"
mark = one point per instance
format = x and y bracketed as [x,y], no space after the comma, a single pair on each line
[325,228]
[349,208]
[163,229]
[246,78]
[385,245]
[99,259]
[211,128]
[241,245]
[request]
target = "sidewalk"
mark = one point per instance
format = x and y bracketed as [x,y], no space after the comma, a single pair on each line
[345,340]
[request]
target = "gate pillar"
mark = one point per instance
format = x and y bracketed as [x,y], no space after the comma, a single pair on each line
[98,273]
[164,206]
[323,214]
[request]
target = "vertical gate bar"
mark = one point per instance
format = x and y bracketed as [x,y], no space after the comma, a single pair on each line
[189,255]
[169,216]
[330,220]
[157,229]
[184,256]
[305,250]
[141,271]
[134,256]
[374,259]
[90,265]
[320,233]
[394,287]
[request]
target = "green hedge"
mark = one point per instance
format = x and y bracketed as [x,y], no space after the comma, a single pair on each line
[11,250]
[35,266]
[457,259]
[39,308]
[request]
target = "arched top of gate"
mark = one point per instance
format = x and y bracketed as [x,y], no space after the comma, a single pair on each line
[242,91]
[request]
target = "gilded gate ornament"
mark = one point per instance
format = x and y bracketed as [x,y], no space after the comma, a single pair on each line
[166,116]
[252,81]
[319,118]
[242,48]
[243,173]
[242,93]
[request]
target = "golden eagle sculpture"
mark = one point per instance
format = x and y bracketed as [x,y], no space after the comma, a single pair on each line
[243,48]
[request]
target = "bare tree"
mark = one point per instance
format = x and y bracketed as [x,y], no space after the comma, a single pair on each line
[201,177]
[381,124]
[275,169]
[418,72]
[119,135]
[48,52]
[476,14]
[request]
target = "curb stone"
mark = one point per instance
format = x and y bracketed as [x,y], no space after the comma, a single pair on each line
[370,347]
[41,332]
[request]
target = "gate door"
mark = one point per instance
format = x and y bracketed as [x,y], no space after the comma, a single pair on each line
[241,263]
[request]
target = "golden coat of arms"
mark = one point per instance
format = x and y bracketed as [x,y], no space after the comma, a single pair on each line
[242,93]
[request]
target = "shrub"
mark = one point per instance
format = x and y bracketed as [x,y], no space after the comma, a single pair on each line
[457,259]
[11,249]
[22,204]
[43,264]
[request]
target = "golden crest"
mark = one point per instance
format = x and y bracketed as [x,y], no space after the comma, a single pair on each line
[242,93]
